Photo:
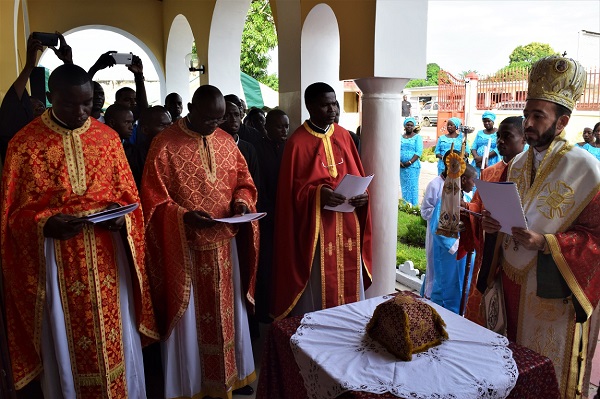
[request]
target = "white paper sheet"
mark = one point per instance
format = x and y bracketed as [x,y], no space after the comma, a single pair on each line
[502,200]
[109,214]
[486,154]
[248,217]
[349,187]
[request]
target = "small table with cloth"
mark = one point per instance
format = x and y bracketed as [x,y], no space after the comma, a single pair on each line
[281,377]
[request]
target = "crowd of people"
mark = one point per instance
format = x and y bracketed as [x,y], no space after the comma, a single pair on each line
[84,294]
[482,150]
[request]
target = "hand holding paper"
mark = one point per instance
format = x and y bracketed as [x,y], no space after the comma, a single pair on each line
[502,201]
[108,214]
[351,186]
[247,217]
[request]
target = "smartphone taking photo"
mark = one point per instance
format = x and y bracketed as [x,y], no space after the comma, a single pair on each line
[47,39]
[123,58]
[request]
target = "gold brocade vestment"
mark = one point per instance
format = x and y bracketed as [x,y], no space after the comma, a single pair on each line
[189,172]
[50,170]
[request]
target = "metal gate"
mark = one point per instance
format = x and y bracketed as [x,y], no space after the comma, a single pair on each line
[451,99]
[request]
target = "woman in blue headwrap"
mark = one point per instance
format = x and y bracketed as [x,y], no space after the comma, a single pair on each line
[486,137]
[593,147]
[411,148]
[445,142]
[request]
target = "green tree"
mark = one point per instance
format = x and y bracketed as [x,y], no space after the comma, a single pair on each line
[258,38]
[524,56]
[520,61]
[433,71]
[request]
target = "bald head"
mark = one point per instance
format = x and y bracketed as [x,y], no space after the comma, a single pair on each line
[206,109]
[207,93]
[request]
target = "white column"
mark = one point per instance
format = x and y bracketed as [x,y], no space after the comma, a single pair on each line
[471,101]
[380,152]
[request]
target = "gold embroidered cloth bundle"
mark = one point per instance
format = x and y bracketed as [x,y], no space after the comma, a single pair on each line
[405,326]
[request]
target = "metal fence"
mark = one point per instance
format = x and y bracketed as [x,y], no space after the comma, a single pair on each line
[451,92]
[507,90]
[590,101]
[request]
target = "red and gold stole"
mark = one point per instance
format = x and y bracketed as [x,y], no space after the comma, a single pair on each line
[186,171]
[312,160]
[563,204]
[52,170]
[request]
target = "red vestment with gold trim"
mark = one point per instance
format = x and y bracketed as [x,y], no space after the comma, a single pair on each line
[186,171]
[310,161]
[50,170]
[550,296]
[492,174]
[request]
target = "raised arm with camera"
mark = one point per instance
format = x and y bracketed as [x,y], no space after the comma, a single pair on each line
[33,46]
[140,88]
[64,52]
[17,110]
[106,60]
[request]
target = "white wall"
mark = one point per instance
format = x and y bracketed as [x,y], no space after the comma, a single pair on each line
[179,44]
[321,52]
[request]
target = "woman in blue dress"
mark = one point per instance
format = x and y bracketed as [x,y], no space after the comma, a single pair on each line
[411,149]
[483,137]
[594,147]
[445,142]
[588,137]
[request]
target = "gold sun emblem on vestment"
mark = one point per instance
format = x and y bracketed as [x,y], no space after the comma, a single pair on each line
[555,200]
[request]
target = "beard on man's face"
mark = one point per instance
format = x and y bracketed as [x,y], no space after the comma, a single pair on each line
[541,139]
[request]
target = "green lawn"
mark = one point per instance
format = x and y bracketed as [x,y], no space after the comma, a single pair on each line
[405,251]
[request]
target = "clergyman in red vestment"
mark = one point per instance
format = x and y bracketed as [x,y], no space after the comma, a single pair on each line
[202,272]
[510,142]
[322,258]
[77,295]
[551,270]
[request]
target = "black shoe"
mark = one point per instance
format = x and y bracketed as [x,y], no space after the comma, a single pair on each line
[246,391]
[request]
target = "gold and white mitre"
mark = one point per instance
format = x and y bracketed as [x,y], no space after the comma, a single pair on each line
[557,79]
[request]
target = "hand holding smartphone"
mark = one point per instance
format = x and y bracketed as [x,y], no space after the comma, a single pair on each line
[123,58]
[47,39]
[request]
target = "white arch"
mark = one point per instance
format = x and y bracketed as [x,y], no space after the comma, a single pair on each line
[151,55]
[15,27]
[320,45]
[179,44]
[224,45]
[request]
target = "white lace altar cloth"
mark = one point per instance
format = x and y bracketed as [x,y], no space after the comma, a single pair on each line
[335,355]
